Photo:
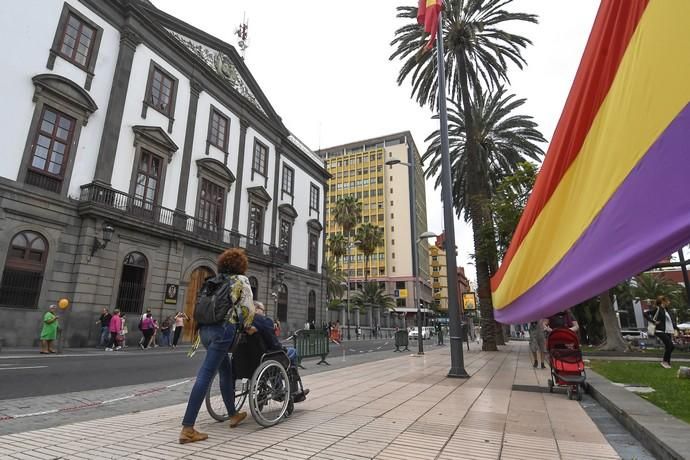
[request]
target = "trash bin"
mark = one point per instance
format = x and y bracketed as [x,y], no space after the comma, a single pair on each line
[401,340]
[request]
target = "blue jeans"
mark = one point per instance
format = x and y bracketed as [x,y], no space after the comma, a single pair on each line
[105,336]
[165,337]
[217,339]
[292,354]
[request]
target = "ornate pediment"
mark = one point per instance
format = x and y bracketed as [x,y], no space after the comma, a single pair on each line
[260,194]
[154,136]
[222,65]
[216,170]
[315,225]
[288,210]
[66,92]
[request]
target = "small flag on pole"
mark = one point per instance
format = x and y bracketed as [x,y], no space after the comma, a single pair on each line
[427,15]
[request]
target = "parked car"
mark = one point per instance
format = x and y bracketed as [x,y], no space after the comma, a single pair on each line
[412,333]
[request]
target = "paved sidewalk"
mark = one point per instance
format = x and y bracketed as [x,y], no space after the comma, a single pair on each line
[399,408]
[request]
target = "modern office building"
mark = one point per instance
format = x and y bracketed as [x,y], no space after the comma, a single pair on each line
[135,148]
[439,276]
[359,169]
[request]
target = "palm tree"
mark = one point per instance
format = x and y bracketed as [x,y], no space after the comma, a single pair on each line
[370,237]
[334,279]
[337,245]
[347,213]
[478,51]
[372,296]
[649,286]
[504,140]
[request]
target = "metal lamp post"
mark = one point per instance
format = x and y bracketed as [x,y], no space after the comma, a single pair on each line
[349,246]
[415,250]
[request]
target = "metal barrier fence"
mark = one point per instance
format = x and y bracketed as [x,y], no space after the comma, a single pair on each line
[401,340]
[310,344]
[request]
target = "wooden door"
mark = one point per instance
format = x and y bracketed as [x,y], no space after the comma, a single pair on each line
[196,280]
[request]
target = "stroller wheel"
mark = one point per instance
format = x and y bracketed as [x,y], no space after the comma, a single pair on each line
[550,383]
[570,393]
[579,394]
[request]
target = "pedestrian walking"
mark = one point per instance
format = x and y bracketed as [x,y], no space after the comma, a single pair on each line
[166,327]
[218,338]
[662,326]
[536,343]
[180,318]
[104,323]
[276,328]
[125,329]
[153,341]
[115,329]
[147,329]
[141,321]
[49,330]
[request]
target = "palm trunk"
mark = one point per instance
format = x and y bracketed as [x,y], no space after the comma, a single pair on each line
[477,214]
[614,339]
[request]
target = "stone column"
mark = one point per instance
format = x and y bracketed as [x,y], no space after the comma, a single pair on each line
[274,214]
[107,151]
[240,174]
[195,91]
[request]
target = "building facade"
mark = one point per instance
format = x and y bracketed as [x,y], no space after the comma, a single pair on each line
[439,277]
[359,169]
[136,148]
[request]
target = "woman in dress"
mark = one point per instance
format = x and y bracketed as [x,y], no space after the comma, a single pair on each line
[49,330]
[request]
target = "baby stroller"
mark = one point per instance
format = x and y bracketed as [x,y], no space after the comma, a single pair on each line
[565,360]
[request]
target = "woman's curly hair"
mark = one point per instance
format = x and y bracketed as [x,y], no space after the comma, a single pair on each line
[233,261]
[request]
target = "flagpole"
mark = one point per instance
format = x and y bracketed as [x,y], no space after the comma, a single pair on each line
[457,365]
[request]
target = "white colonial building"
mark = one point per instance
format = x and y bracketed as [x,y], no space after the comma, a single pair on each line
[135,148]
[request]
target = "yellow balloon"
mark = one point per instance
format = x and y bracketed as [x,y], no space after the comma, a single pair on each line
[63,304]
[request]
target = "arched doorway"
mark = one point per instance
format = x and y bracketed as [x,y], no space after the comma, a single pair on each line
[282,305]
[311,307]
[196,280]
[130,294]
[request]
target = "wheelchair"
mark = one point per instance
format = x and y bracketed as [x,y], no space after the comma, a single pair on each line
[262,378]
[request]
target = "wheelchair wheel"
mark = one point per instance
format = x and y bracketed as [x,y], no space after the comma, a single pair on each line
[214,401]
[269,393]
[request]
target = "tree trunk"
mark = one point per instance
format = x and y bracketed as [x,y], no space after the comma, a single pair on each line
[477,214]
[500,335]
[614,339]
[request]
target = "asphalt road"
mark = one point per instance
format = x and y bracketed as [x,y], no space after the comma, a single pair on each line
[33,374]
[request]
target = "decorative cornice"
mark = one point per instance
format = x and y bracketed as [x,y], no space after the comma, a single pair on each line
[195,87]
[216,170]
[259,193]
[129,38]
[288,210]
[57,87]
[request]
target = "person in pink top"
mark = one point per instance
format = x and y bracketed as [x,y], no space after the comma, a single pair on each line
[148,327]
[114,328]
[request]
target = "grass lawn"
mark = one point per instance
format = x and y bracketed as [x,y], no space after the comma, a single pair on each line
[672,394]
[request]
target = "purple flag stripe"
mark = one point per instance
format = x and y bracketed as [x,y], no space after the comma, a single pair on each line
[646,219]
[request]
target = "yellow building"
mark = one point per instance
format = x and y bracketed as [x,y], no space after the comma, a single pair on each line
[439,277]
[359,169]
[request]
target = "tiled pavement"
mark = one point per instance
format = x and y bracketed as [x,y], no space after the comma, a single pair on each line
[399,408]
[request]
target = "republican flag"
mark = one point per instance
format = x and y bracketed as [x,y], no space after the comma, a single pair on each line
[613,195]
[427,15]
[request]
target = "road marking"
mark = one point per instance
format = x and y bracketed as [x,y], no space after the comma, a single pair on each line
[22,367]
[118,399]
[35,413]
[92,404]
[179,383]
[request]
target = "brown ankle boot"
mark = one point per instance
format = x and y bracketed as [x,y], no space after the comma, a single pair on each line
[189,434]
[237,418]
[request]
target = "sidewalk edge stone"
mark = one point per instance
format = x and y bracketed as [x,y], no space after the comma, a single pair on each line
[643,419]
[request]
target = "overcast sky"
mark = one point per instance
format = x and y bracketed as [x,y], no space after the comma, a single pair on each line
[324,67]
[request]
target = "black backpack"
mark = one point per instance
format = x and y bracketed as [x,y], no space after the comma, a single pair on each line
[214,302]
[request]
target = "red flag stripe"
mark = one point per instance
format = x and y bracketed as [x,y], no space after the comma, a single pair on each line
[605,48]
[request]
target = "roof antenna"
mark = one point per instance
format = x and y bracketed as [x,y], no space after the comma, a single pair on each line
[242,33]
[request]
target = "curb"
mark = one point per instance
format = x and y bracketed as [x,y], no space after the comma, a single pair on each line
[662,434]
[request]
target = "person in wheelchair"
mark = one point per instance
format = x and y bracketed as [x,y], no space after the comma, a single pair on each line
[263,325]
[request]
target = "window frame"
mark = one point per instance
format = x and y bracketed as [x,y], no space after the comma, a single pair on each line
[291,191]
[264,173]
[66,156]
[205,225]
[313,255]
[290,224]
[65,96]
[313,187]
[153,67]
[56,47]
[210,142]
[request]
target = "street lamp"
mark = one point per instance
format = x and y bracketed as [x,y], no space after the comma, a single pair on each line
[349,246]
[415,249]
